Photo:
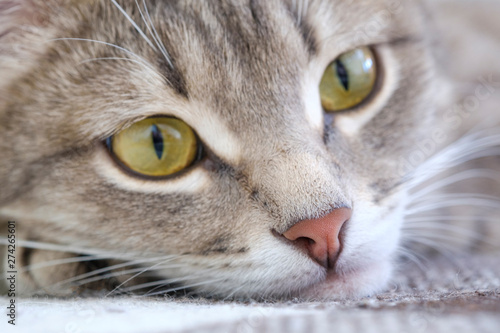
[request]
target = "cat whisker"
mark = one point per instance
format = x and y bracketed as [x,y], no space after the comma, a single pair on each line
[448,218]
[164,282]
[170,290]
[230,296]
[183,286]
[133,277]
[107,276]
[92,255]
[431,224]
[462,195]
[79,280]
[139,59]
[67,248]
[452,245]
[475,145]
[449,252]
[136,58]
[134,55]
[154,33]
[134,24]
[461,176]
[444,249]
[62,262]
[413,257]
[454,201]
[90,276]
[155,288]
[428,234]
[457,230]
[145,65]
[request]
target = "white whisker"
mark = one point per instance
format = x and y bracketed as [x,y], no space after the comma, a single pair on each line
[444,249]
[427,234]
[167,281]
[414,257]
[444,227]
[90,276]
[472,146]
[139,30]
[185,287]
[231,295]
[145,65]
[104,43]
[454,201]
[465,175]
[133,277]
[62,248]
[135,58]
[448,218]
[154,33]
[71,260]
[77,282]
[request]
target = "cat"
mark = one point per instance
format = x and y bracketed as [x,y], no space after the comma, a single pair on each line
[235,148]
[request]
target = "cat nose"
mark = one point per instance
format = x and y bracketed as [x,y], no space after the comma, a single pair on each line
[320,237]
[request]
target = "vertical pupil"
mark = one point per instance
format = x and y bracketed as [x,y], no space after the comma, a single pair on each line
[157,141]
[342,74]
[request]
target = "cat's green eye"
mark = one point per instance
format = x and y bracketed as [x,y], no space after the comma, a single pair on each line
[348,80]
[155,147]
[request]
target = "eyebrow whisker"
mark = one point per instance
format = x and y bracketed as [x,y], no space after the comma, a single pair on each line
[134,24]
[154,33]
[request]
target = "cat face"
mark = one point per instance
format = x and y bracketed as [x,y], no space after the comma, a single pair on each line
[245,77]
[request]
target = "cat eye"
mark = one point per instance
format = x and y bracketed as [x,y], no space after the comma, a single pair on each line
[348,80]
[156,147]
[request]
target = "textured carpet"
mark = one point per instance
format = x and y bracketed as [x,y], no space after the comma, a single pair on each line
[459,295]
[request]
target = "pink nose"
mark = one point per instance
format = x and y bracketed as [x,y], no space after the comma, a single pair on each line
[320,237]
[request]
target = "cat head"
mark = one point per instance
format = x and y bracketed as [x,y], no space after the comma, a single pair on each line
[244,77]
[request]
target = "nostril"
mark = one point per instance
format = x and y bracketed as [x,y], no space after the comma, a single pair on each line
[304,242]
[320,238]
[307,245]
[308,240]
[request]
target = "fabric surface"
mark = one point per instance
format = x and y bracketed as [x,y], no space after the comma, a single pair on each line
[440,295]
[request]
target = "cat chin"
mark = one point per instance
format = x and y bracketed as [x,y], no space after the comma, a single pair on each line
[355,284]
